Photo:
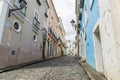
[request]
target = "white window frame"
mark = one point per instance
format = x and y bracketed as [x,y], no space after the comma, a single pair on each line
[35,40]
[86,14]
[37,13]
[91,2]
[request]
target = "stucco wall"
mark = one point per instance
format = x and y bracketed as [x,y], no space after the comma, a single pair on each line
[26,49]
[93,16]
[3,10]
[109,29]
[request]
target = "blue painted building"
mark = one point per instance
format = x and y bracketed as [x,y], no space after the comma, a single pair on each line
[88,18]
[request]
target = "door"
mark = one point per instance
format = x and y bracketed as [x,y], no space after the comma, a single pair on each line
[44,46]
[98,51]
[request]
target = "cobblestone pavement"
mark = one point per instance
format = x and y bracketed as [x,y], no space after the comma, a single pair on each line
[62,68]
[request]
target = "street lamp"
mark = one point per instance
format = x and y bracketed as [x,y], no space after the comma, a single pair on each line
[72,22]
[22,3]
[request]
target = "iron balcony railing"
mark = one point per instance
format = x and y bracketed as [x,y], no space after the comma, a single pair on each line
[59,39]
[53,34]
[36,24]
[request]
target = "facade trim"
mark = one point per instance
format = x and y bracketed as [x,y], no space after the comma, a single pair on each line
[3,11]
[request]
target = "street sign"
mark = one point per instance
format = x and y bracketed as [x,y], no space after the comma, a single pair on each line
[7,24]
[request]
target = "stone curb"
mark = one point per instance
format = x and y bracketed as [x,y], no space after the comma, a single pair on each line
[91,77]
[88,74]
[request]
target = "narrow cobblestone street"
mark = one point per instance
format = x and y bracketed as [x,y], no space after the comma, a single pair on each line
[63,68]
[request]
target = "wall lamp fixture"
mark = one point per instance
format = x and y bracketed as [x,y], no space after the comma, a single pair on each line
[72,22]
[22,3]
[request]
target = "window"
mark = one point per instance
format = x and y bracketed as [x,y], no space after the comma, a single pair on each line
[86,14]
[51,14]
[35,38]
[36,15]
[91,3]
[36,22]
[17,26]
[16,4]
[46,12]
[39,2]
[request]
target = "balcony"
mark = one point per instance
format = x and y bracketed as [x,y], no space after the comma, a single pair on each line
[36,24]
[59,39]
[52,34]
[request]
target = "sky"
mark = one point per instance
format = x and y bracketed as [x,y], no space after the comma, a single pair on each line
[66,10]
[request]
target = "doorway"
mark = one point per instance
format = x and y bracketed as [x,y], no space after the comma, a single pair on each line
[98,51]
[44,46]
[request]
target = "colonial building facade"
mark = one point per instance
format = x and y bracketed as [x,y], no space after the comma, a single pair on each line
[77,29]
[29,34]
[21,37]
[99,34]
[56,25]
[53,25]
[108,30]
[61,37]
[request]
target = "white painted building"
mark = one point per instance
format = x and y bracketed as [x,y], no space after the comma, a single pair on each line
[107,39]
[3,12]
[21,37]
[69,50]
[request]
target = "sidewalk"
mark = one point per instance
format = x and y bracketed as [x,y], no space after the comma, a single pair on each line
[92,73]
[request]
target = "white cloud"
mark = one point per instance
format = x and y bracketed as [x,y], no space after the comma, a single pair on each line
[66,10]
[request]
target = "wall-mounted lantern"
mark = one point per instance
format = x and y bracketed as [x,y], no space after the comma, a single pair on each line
[72,22]
[22,3]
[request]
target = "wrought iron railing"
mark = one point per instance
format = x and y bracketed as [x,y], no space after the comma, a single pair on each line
[52,33]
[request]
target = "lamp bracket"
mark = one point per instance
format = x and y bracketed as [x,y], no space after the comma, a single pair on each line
[11,10]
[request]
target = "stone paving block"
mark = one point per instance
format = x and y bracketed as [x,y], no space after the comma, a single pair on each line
[63,68]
